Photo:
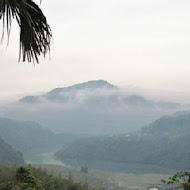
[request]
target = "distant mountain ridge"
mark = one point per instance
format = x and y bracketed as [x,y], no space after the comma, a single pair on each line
[29,138]
[57,92]
[8,155]
[175,125]
[93,107]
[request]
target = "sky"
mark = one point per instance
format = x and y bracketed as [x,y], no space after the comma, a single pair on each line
[137,43]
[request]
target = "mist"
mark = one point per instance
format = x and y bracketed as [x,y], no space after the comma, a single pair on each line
[92,111]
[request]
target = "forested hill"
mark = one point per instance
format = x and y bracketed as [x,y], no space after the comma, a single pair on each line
[24,136]
[174,125]
[165,144]
[94,107]
[30,138]
[8,155]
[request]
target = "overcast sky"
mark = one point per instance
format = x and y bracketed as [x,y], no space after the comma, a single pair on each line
[144,43]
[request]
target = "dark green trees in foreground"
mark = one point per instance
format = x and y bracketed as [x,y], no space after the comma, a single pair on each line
[24,180]
[29,178]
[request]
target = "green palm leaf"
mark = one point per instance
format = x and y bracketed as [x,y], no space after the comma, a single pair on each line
[35,33]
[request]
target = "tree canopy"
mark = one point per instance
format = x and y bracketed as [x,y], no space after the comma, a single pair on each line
[180,180]
[35,33]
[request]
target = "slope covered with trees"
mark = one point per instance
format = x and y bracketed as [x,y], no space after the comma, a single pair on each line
[31,139]
[8,155]
[164,143]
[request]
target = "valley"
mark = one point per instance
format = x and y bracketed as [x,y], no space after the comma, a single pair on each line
[113,158]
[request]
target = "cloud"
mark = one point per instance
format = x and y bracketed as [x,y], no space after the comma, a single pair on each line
[99,111]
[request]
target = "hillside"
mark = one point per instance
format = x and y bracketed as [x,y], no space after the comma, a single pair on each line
[175,125]
[163,145]
[93,108]
[61,94]
[8,155]
[32,139]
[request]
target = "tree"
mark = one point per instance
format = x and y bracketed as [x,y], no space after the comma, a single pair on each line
[84,169]
[35,33]
[180,180]
[25,180]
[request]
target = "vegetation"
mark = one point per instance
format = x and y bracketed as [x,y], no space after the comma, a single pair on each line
[9,155]
[23,180]
[180,180]
[32,139]
[35,33]
[29,178]
[92,178]
[165,144]
[107,180]
[175,125]
[165,152]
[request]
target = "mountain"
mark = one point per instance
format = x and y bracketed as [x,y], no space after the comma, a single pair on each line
[8,155]
[174,125]
[61,94]
[32,139]
[94,107]
[163,146]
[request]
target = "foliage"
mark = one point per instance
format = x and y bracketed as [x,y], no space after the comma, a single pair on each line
[24,180]
[35,33]
[180,180]
[175,125]
[84,169]
[130,151]
[29,178]
[168,136]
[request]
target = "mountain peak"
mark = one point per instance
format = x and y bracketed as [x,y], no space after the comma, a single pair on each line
[93,84]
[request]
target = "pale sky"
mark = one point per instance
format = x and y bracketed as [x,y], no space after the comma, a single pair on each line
[143,43]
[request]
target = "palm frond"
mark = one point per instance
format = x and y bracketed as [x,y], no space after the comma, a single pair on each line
[35,33]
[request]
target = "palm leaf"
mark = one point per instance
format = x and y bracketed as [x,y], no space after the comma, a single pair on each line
[35,33]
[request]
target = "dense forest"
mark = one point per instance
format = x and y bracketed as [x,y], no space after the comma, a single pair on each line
[31,139]
[164,143]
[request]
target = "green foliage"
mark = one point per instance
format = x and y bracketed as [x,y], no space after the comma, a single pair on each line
[29,178]
[180,180]
[35,33]
[24,180]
